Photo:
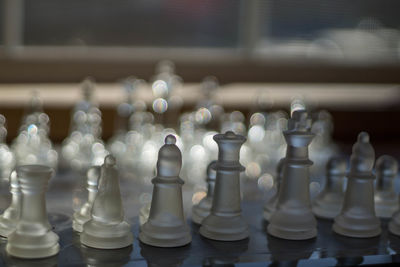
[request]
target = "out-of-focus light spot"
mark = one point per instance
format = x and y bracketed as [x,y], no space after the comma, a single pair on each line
[209,142]
[198,196]
[203,116]
[160,105]
[257,119]
[160,88]
[253,170]
[32,129]
[256,133]
[197,152]
[265,182]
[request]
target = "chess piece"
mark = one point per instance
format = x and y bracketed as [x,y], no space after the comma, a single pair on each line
[293,218]
[107,228]
[85,213]
[33,237]
[357,218]
[11,215]
[202,209]
[166,225]
[225,222]
[270,206]
[7,158]
[386,199]
[329,202]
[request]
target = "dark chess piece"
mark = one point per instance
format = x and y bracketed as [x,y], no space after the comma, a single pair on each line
[329,202]
[270,206]
[166,225]
[107,228]
[33,237]
[386,199]
[203,208]
[357,218]
[293,218]
[225,222]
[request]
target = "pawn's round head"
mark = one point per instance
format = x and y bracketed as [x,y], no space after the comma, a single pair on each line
[169,158]
[363,155]
[336,165]
[386,165]
[212,170]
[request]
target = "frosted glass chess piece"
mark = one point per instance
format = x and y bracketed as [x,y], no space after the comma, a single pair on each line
[357,218]
[329,202]
[33,237]
[270,206]
[386,199]
[293,218]
[10,217]
[203,208]
[225,222]
[7,158]
[85,213]
[107,229]
[166,225]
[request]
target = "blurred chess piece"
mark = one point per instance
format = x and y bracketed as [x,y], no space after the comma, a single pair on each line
[7,158]
[203,208]
[386,199]
[33,237]
[107,229]
[166,225]
[225,222]
[329,202]
[85,213]
[270,206]
[357,218]
[10,217]
[293,218]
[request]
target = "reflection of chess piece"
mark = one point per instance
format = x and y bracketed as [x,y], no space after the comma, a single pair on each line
[166,225]
[160,257]
[386,199]
[85,213]
[270,206]
[357,218]
[225,222]
[106,258]
[228,252]
[203,208]
[33,237]
[330,201]
[11,215]
[293,218]
[107,228]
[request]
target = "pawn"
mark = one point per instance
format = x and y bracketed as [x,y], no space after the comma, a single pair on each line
[329,202]
[107,228]
[386,199]
[357,218]
[11,215]
[202,209]
[33,237]
[166,225]
[225,222]
[85,213]
[270,206]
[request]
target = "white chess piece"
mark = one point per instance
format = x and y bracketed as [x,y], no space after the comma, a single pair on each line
[293,218]
[33,237]
[270,206]
[225,222]
[203,208]
[329,202]
[11,215]
[166,225]
[386,199]
[107,228]
[85,213]
[357,218]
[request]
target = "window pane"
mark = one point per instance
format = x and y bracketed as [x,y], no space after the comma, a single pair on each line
[132,23]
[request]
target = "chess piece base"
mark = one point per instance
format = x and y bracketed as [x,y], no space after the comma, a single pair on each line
[394,228]
[32,247]
[224,228]
[356,227]
[385,208]
[201,210]
[327,206]
[164,236]
[110,236]
[291,234]
[7,226]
